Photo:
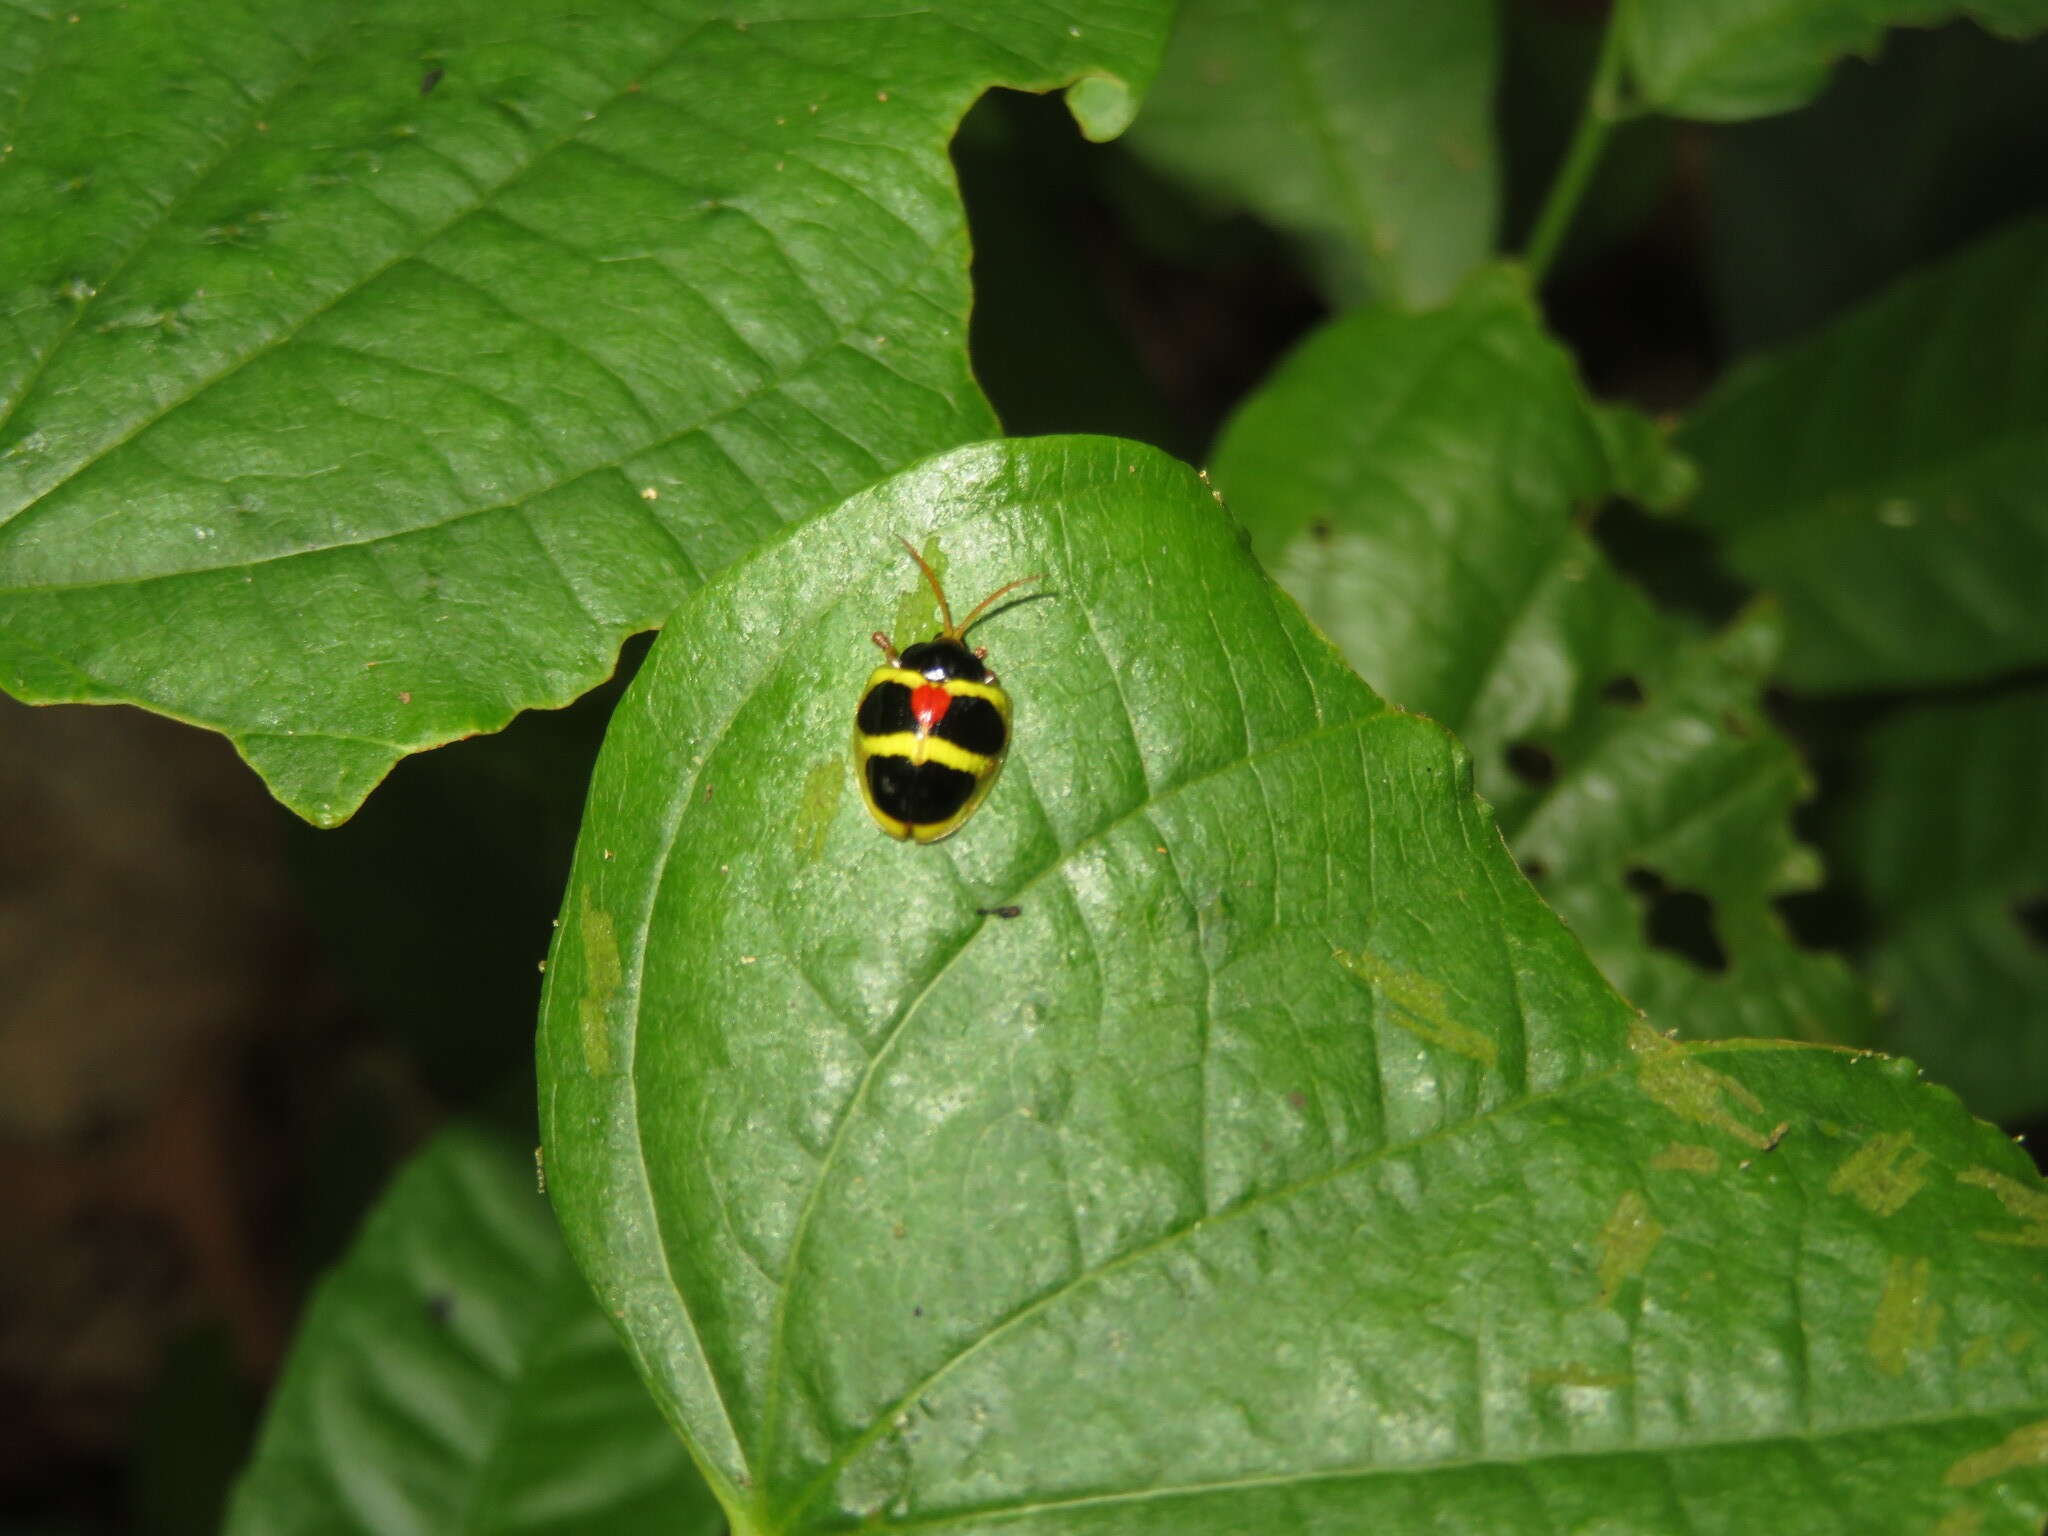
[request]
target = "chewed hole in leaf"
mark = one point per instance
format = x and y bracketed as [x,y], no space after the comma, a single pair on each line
[1677,920]
[2031,913]
[1624,691]
[1534,765]
[1832,917]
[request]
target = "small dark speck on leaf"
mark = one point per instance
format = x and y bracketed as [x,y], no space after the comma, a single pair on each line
[441,1307]
[1531,764]
[1321,531]
[709,790]
[2032,916]
[1297,1100]
[1625,691]
[1535,869]
[429,80]
[917,1311]
[1735,725]
[1000,911]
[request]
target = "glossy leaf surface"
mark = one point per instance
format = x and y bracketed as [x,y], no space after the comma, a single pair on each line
[1365,129]
[454,1375]
[1949,843]
[371,371]
[1728,59]
[1421,484]
[1216,1135]
[1884,480]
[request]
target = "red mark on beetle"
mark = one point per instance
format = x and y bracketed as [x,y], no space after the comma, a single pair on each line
[929,702]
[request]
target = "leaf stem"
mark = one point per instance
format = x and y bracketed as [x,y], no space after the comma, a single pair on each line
[1602,110]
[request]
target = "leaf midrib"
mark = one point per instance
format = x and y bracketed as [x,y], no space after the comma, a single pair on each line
[885,1420]
[614,464]
[895,1029]
[1292,31]
[1428,1469]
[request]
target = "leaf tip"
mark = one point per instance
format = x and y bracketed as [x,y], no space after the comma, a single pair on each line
[1102,105]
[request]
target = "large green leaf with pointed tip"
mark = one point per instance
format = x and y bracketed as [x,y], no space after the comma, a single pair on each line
[1421,484]
[369,371]
[454,1375]
[1365,129]
[1729,59]
[1217,1134]
[1948,842]
[1887,480]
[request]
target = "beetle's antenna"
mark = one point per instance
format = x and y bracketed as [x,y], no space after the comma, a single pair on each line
[982,606]
[945,611]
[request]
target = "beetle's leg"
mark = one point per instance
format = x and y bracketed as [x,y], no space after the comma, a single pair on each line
[888,650]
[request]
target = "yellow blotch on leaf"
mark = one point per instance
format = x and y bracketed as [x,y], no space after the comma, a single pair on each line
[2022,1450]
[1882,1174]
[2023,1202]
[1907,1319]
[816,806]
[1418,1005]
[917,611]
[1691,1091]
[1687,1157]
[1626,1242]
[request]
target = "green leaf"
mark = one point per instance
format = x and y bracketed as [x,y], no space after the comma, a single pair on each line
[1727,59]
[1365,129]
[453,1375]
[1948,838]
[1896,163]
[370,372]
[1420,483]
[1884,480]
[1281,1164]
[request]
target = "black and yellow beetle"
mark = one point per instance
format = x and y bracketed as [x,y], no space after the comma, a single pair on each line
[929,737]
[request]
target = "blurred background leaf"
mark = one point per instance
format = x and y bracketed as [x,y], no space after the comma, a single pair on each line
[453,1374]
[1947,841]
[1363,130]
[1900,160]
[1884,479]
[1424,485]
[1729,59]
[1279,1093]
[384,314]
